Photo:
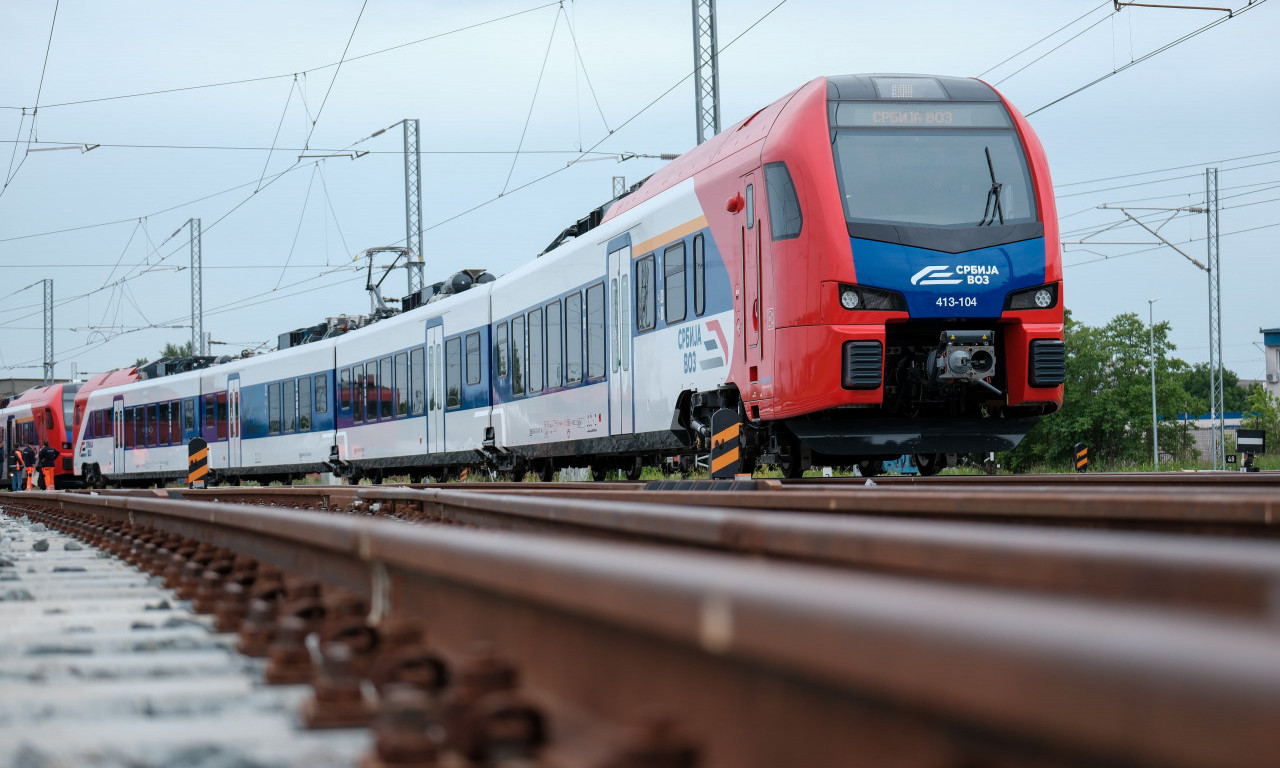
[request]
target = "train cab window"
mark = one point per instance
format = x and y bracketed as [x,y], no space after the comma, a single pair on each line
[595,331]
[646,296]
[536,369]
[555,355]
[273,408]
[517,356]
[417,382]
[386,389]
[357,392]
[322,393]
[699,276]
[344,389]
[673,283]
[402,384]
[751,207]
[189,414]
[222,416]
[304,404]
[473,358]
[785,220]
[453,373]
[289,409]
[573,338]
[128,428]
[500,350]
[210,411]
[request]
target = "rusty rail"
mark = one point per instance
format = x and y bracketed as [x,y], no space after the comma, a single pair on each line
[768,663]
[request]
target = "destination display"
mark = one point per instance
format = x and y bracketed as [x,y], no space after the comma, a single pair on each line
[870,114]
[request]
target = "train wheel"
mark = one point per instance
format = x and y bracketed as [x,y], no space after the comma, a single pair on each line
[598,473]
[930,464]
[547,472]
[871,468]
[793,460]
[633,471]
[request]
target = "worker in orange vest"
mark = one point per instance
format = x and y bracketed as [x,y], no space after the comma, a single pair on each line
[17,469]
[29,465]
[48,461]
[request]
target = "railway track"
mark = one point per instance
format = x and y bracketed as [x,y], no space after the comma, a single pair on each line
[904,624]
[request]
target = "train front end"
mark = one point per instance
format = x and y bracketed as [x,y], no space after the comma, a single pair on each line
[921,303]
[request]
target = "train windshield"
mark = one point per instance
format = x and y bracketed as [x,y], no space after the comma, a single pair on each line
[944,165]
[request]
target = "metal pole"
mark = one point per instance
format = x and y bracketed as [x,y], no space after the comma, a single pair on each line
[48,332]
[197,291]
[413,204]
[1216,395]
[706,69]
[1155,421]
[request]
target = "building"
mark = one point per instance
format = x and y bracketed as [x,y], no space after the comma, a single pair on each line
[1271,340]
[12,387]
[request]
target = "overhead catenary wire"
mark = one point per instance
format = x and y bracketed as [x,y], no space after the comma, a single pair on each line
[13,172]
[533,101]
[1069,24]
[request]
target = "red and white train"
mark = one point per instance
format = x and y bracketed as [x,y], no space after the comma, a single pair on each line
[866,267]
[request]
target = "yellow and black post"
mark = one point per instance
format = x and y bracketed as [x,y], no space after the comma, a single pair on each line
[1082,457]
[197,462]
[725,455]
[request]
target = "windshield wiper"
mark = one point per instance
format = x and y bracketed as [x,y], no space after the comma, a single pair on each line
[993,208]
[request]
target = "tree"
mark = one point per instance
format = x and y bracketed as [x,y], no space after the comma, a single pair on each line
[1196,382]
[1261,411]
[170,350]
[1107,401]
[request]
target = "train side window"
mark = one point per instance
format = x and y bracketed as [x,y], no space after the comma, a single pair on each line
[402,384]
[210,411]
[785,219]
[595,331]
[189,414]
[108,422]
[273,409]
[751,207]
[304,404]
[386,388]
[417,381]
[128,428]
[344,389]
[357,392]
[322,393]
[573,338]
[699,276]
[673,284]
[555,355]
[175,422]
[222,415]
[646,296]
[517,356]
[500,350]
[153,426]
[473,358]
[453,373]
[163,425]
[535,350]
[289,413]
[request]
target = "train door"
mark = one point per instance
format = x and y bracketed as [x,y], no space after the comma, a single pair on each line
[117,434]
[621,403]
[233,420]
[757,280]
[435,389]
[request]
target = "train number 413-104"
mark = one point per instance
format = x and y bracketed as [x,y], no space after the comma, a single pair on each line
[957,301]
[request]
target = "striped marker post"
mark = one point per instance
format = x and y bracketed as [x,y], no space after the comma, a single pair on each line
[1082,457]
[197,462]
[725,455]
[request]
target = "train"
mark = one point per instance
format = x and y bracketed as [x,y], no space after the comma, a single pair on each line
[867,267]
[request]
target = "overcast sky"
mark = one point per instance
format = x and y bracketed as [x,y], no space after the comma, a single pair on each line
[282,257]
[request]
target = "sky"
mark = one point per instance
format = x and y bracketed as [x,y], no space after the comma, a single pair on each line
[282,234]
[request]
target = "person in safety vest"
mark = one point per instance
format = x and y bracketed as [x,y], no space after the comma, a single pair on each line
[29,464]
[17,469]
[48,461]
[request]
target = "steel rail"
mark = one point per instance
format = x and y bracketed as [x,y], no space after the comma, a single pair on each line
[768,663]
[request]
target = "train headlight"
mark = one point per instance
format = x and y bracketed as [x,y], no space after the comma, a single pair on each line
[1039,297]
[862,297]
